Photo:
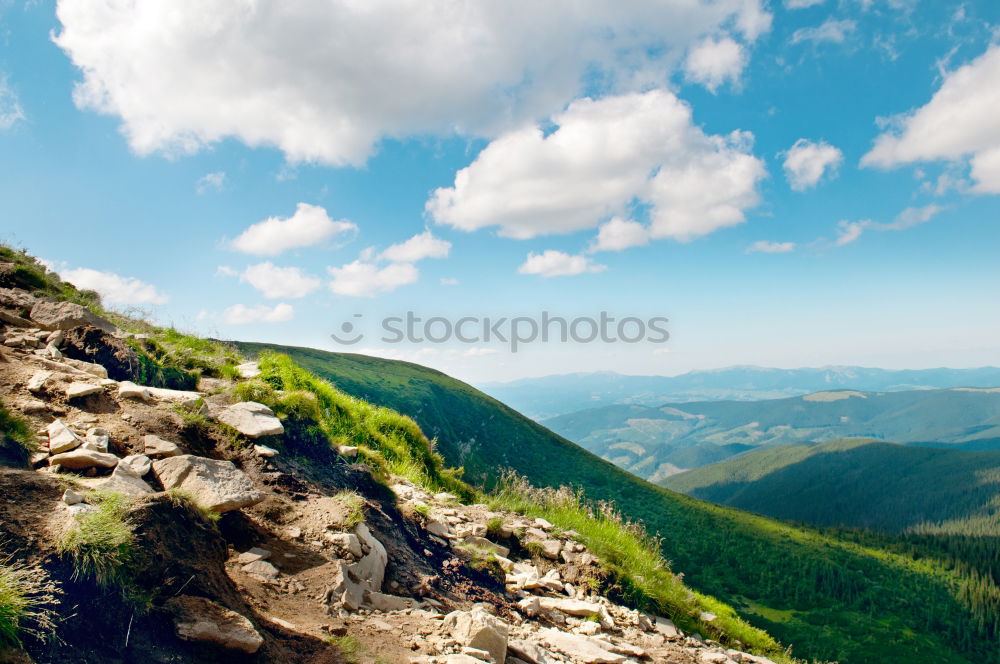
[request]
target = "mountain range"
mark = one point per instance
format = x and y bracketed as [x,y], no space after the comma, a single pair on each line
[549,396]
[657,442]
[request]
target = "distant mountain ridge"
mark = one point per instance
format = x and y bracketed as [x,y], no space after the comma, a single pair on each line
[549,396]
[862,483]
[657,442]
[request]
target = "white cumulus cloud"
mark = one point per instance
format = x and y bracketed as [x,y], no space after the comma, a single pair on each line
[849,231]
[715,61]
[240,314]
[961,121]
[310,225]
[765,247]
[278,282]
[807,161]
[113,288]
[552,263]
[617,234]
[605,154]
[801,4]
[361,279]
[418,247]
[325,80]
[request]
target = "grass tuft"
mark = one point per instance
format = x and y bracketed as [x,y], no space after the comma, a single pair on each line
[101,543]
[355,506]
[186,499]
[27,602]
[17,440]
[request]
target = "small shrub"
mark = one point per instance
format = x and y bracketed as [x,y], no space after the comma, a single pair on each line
[423,509]
[27,601]
[255,390]
[229,371]
[101,544]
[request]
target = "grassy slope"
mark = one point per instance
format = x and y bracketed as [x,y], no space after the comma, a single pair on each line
[831,599]
[862,483]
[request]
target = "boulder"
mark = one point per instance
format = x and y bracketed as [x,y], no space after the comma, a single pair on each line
[218,486]
[125,481]
[67,315]
[61,438]
[370,570]
[383,602]
[579,648]
[202,620]
[254,554]
[248,369]
[38,380]
[154,446]
[479,629]
[528,652]
[95,370]
[252,419]
[78,389]
[129,390]
[551,548]
[81,459]
[182,397]
[97,439]
[71,497]
[346,543]
[265,451]
[136,464]
[262,569]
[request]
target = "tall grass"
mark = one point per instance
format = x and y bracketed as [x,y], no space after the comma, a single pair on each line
[637,573]
[102,541]
[17,441]
[27,601]
[390,443]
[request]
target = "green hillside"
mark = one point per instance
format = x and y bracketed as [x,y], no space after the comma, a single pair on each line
[863,483]
[656,442]
[831,597]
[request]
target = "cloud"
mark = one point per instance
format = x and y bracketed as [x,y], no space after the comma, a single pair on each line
[849,231]
[418,247]
[713,62]
[240,314]
[210,182]
[479,351]
[765,247]
[310,225]
[10,107]
[959,122]
[806,162]
[449,281]
[325,80]
[277,282]
[801,4]
[618,234]
[361,279]
[831,30]
[552,263]
[114,289]
[604,155]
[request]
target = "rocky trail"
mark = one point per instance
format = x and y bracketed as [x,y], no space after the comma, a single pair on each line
[310,560]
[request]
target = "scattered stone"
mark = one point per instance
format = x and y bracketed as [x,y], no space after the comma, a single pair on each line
[67,315]
[348,452]
[82,459]
[129,390]
[248,369]
[136,464]
[262,569]
[202,620]
[156,447]
[77,389]
[370,570]
[97,439]
[667,628]
[95,370]
[252,419]
[551,548]
[124,480]
[253,555]
[182,397]
[543,524]
[528,652]
[435,527]
[62,438]
[35,407]
[71,497]
[218,486]
[478,629]
[265,451]
[383,602]
[37,381]
[483,543]
[579,648]
[347,543]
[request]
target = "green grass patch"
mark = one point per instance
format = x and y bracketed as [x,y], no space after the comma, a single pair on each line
[186,499]
[27,602]
[101,544]
[354,506]
[348,646]
[637,574]
[17,440]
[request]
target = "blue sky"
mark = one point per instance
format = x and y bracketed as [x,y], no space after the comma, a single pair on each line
[792,183]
